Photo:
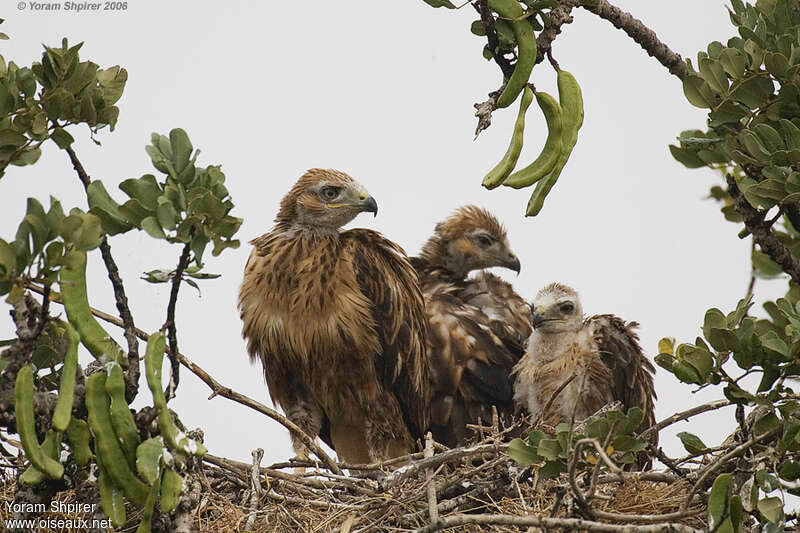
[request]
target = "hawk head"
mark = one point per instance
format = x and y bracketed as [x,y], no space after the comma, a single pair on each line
[324,199]
[556,308]
[470,239]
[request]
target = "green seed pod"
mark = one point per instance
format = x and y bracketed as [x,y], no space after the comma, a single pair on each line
[72,278]
[149,505]
[571,103]
[51,447]
[549,155]
[78,436]
[26,426]
[526,49]
[171,487]
[176,440]
[111,498]
[66,391]
[121,417]
[107,446]
[501,171]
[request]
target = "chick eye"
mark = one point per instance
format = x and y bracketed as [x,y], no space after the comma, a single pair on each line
[484,241]
[330,192]
[566,308]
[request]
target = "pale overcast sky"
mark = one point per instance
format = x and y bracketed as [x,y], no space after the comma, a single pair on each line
[384,91]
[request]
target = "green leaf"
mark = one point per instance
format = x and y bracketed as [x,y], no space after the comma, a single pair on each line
[8,259]
[777,64]
[523,454]
[549,449]
[695,90]
[181,149]
[144,189]
[771,509]
[766,423]
[686,157]
[62,138]
[552,469]
[112,80]
[765,267]
[83,230]
[440,3]
[734,62]
[632,421]
[12,138]
[719,500]
[152,227]
[714,318]
[753,92]
[692,443]
[102,205]
[771,341]
[686,373]
[713,73]
[790,470]
[477,28]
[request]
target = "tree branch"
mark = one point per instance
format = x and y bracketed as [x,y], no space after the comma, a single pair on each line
[636,30]
[722,461]
[570,524]
[684,415]
[763,236]
[132,372]
[172,332]
[553,21]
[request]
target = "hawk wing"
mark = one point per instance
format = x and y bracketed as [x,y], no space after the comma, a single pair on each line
[470,364]
[631,371]
[385,276]
[509,315]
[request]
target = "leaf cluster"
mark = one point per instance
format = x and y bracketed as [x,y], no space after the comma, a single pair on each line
[36,102]
[615,430]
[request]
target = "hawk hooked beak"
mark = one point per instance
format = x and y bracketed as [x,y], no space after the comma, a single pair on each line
[368,204]
[512,263]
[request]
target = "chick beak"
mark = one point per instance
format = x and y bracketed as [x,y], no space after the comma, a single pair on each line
[537,319]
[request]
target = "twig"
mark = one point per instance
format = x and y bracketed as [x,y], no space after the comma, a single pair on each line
[225,392]
[456,454]
[553,21]
[752,283]
[570,524]
[255,486]
[482,7]
[172,330]
[722,461]
[132,373]
[647,518]
[684,415]
[636,30]
[433,511]
[762,235]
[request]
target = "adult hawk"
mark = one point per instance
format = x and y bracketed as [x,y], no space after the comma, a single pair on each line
[476,326]
[602,352]
[337,320]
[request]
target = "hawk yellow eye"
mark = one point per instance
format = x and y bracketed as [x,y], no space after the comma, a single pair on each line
[330,192]
[484,241]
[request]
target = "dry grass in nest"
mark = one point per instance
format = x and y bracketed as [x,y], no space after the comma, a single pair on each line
[467,481]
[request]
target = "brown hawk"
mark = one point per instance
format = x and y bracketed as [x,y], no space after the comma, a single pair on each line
[476,326]
[337,320]
[602,352]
